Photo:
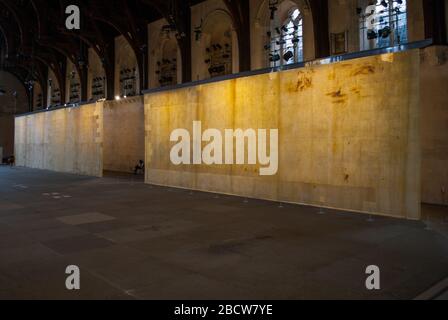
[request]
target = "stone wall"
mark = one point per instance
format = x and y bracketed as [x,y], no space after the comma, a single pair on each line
[7,135]
[10,103]
[434,119]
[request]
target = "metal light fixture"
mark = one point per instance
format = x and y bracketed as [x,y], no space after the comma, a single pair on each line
[274,57]
[198,31]
[288,56]
[273,7]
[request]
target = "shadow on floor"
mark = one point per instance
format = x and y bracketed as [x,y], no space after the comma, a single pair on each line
[124,176]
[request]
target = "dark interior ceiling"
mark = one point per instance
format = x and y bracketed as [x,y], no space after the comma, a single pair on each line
[33,36]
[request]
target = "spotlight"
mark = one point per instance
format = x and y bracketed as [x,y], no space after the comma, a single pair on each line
[371,35]
[117,98]
[288,56]
[274,57]
[385,32]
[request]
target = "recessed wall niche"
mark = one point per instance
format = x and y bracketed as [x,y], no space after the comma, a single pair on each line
[219,57]
[164,59]
[214,41]
[217,38]
[97,78]
[98,88]
[73,84]
[14,97]
[126,70]
[54,91]
[38,101]
[55,97]
[167,65]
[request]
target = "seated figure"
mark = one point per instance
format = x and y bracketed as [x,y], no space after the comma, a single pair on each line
[140,168]
[11,161]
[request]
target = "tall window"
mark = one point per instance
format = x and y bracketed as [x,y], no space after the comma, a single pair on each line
[286,40]
[383,24]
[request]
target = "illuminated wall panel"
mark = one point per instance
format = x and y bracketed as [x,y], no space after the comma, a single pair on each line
[65,140]
[348,134]
[124,134]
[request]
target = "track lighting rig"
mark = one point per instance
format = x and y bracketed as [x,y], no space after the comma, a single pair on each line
[285,41]
[383,22]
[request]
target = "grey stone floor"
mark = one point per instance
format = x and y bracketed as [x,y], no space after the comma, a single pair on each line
[135,241]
